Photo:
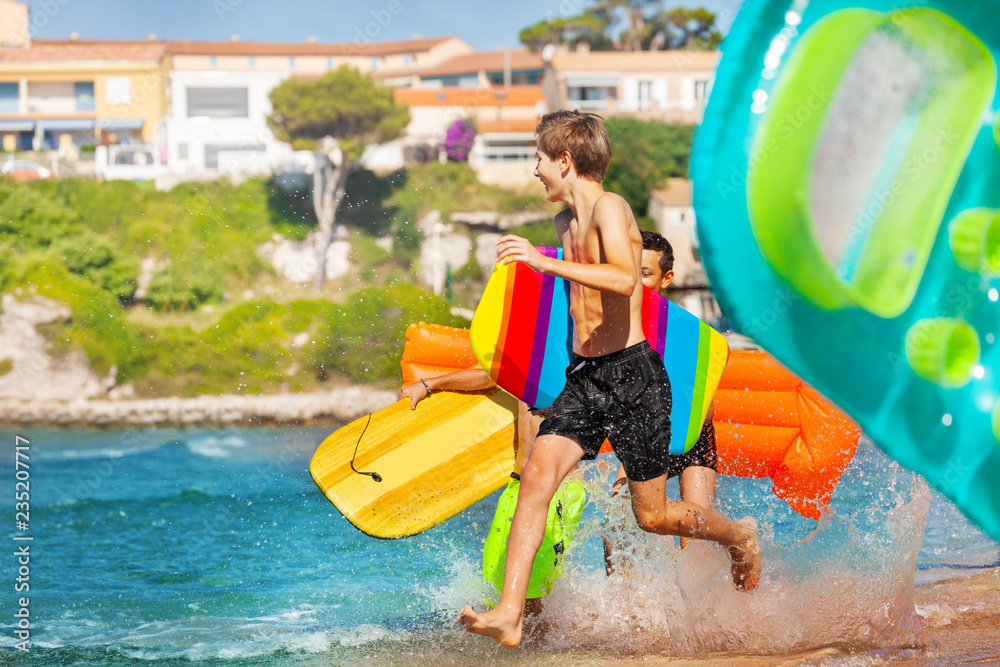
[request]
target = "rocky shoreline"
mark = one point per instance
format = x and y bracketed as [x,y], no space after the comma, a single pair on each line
[334,407]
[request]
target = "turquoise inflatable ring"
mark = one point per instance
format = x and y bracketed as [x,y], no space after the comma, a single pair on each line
[847,188]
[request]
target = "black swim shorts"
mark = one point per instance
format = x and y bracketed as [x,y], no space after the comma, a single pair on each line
[623,396]
[702,454]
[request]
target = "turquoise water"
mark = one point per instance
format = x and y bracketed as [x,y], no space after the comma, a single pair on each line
[214,547]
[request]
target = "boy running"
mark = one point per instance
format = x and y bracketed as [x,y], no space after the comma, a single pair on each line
[565,508]
[616,385]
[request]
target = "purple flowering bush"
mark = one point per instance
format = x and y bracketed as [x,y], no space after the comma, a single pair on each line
[458,140]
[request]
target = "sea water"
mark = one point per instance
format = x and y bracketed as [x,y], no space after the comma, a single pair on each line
[213,546]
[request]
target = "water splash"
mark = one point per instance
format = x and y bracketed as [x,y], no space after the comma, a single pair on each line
[848,583]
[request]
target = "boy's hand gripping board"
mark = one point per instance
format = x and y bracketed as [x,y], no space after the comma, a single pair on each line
[847,187]
[522,335]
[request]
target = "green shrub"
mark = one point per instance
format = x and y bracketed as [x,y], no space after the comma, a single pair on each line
[97,258]
[471,272]
[365,340]
[645,154]
[185,285]
[32,220]
[541,233]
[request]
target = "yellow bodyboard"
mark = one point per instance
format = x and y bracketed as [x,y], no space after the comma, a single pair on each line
[452,451]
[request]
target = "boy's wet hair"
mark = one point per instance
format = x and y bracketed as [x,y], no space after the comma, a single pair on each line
[582,135]
[656,243]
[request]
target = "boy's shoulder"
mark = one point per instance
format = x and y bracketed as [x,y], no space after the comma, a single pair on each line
[612,209]
[610,202]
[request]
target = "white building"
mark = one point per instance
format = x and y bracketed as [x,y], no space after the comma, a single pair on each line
[219,96]
[218,123]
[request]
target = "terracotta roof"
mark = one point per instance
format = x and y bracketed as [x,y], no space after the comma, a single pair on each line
[523,125]
[599,61]
[455,96]
[51,50]
[676,193]
[489,61]
[303,48]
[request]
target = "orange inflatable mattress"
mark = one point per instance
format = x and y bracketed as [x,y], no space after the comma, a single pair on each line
[768,422]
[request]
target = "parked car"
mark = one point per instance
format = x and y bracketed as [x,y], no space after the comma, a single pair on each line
[25,170]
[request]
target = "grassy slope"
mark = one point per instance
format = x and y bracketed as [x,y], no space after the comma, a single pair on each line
[216,318]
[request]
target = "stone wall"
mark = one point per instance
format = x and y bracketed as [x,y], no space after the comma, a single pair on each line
[335,407]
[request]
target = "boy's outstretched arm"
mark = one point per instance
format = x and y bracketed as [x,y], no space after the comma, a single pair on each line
[470,379]
[618,272]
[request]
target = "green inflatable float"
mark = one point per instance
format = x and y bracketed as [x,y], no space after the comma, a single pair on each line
[847,187]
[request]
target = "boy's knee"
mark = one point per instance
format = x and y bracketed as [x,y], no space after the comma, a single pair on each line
[650,520]
[536,482]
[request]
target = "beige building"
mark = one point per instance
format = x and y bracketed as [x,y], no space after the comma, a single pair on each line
[64,94]
[671,86]
[67,93]
[482,69]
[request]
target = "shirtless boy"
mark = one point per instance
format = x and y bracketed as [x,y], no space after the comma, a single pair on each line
[616,385]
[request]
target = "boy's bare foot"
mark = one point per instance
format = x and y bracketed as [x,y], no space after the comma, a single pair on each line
[492,624]
[746,557]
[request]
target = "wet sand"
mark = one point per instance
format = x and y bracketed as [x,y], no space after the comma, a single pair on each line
[962,621]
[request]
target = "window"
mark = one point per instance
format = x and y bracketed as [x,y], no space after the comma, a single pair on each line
[252,61]
[329,63]
[701,90]
[212,152]
[83,92]
[645,94]
[589,97]
[212,61]
[374,63]
[407,58]
[9,98]
[291,61]
[217,102]
[118,90]
[182,150]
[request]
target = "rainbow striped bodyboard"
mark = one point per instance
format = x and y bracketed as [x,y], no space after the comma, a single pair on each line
[522,335]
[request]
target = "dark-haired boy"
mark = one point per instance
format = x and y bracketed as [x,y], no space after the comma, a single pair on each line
[696,469]
[616,385]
